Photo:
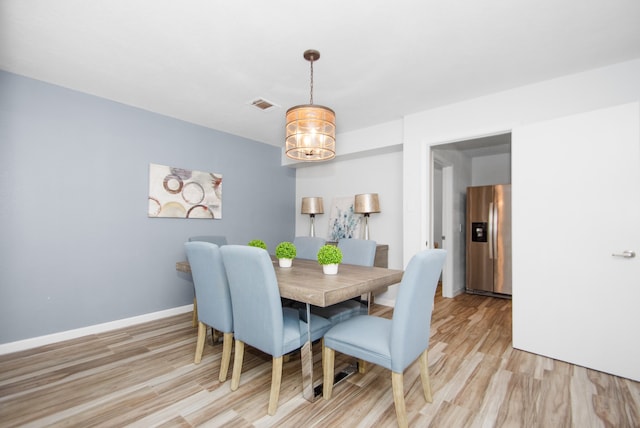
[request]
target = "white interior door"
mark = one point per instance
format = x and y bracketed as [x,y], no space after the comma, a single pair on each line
[576,201]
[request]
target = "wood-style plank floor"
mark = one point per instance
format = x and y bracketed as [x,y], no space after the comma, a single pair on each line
[145,376]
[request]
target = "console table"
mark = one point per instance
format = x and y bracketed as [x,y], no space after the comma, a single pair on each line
[382,256]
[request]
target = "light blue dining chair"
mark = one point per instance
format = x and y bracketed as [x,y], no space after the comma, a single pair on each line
[392,343]
[307,246]
[259,319]
[219,240]
[354,252]
[358,251]
[214,298]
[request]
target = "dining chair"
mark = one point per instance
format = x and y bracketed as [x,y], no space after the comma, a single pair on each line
[219,240]
[358,251]
[214,298]
[354,252]
[392,343]
[307,246]
[259,319]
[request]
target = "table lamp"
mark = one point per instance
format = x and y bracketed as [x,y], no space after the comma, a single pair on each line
[312,206]
[366,204]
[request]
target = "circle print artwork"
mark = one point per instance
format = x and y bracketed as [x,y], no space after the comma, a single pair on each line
[172,184]
[185,174]
[154,207]
[184,193]
[193,193]
[173,209]
[199,211]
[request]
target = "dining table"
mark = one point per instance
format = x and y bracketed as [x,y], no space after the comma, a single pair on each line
[305,282]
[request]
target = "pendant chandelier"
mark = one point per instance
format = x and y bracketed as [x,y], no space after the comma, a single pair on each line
[311,129]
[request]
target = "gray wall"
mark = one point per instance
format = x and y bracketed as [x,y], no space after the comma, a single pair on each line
[77,248]
[490,170]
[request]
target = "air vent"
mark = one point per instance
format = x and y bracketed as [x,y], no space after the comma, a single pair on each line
[262,104]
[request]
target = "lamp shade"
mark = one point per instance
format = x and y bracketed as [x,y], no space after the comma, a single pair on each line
[310,133]
[312,205]
[367,203]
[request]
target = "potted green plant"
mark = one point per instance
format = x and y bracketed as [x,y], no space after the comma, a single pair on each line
[285,253]
[329,256]
[257,243]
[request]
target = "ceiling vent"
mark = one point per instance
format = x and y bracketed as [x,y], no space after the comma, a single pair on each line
[263,104]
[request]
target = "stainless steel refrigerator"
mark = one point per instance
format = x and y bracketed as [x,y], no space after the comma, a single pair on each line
[489,240]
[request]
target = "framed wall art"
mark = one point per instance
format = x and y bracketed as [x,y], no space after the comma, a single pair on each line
[343,222]
[183,193]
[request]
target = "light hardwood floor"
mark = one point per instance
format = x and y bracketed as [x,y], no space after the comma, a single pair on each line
[145,376]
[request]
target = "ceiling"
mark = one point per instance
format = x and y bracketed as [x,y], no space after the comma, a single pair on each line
[205,61]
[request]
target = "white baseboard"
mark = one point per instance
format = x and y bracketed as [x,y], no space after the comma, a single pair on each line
[458,291]
[385,302]
[21,345]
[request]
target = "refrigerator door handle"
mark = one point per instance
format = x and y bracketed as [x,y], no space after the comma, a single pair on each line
[490,231]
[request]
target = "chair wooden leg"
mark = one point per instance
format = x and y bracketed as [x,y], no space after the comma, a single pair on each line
[276,378]
[398,399]
[328,356]
[362,366]
[194,317]
[227,343]
[424,375]
[237,365]
[202,335]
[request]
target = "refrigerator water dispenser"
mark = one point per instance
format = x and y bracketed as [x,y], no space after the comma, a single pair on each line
[479,232]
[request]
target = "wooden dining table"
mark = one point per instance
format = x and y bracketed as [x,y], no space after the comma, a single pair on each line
[305,282]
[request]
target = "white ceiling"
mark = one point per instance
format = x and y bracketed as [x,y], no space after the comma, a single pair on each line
[204,61]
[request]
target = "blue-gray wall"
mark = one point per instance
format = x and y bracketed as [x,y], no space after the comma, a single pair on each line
[76,245]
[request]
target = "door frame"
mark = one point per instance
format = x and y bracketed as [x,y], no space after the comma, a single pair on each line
[454,270]
[447,215]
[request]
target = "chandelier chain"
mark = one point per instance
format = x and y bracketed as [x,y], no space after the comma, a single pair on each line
[311,96]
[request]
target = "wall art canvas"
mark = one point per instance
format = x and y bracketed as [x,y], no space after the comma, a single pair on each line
[343,222]
[183,193]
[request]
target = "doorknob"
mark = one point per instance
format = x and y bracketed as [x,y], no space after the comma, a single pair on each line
[628,254]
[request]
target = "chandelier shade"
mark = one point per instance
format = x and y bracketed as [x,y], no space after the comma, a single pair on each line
[311,128]
[311,133]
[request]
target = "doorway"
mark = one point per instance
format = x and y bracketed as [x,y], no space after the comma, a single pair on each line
[455,166]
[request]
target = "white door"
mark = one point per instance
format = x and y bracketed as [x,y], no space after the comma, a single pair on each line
[576,202]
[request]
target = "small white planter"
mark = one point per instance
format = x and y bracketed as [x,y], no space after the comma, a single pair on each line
[331,269]
[285,262]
